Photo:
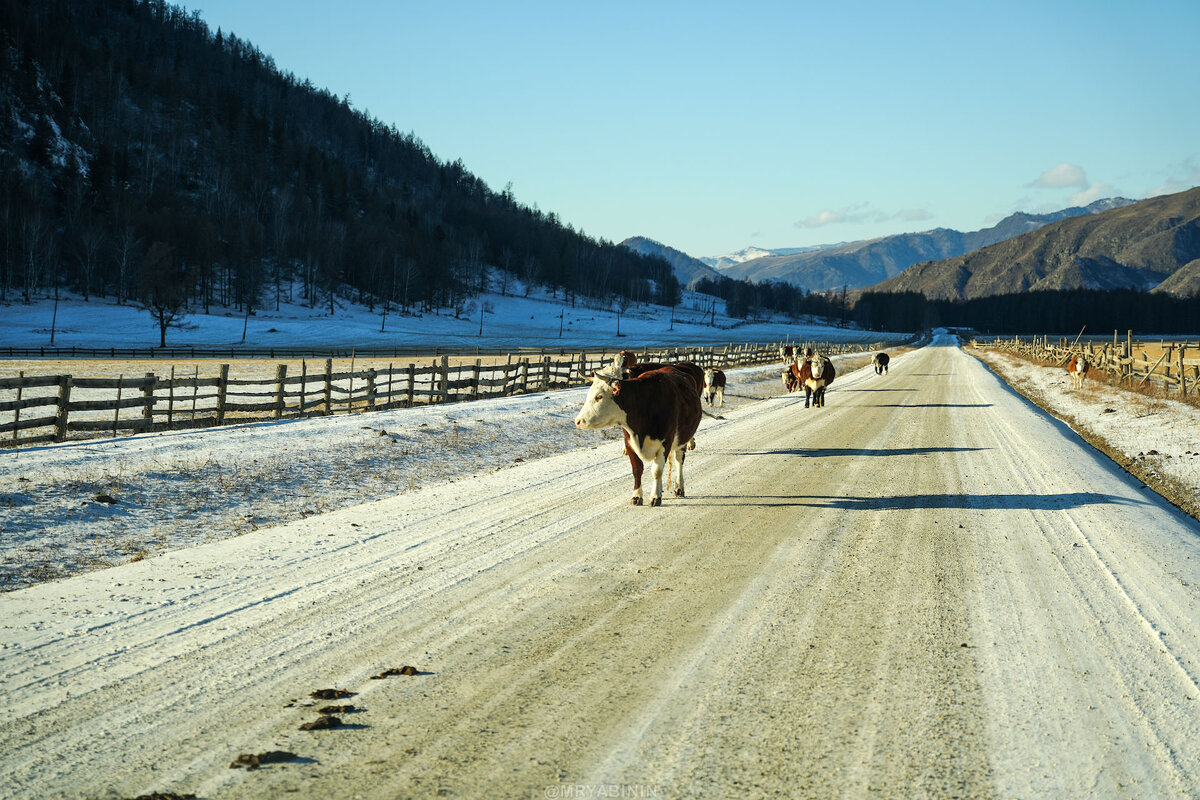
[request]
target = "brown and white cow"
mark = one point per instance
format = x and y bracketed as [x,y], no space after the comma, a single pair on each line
[881,363]
[791,378]
[1078,369]
[815,375]
[714,387]
[658,411]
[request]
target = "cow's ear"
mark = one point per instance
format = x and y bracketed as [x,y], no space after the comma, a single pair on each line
[616,387]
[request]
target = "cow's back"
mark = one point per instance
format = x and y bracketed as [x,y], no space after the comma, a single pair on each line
[661,404]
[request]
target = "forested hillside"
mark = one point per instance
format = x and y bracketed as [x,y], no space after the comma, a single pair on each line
[147,156]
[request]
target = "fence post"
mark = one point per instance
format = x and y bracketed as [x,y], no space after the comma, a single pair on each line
[444,380]
[328,387]
[117,411]
[222,390]
[64,400]
[17,410]
[148,402]
[303,384]
[371,375]
[412,383]
[1182,376]
[280,377]
[171,399]
[475,379]
[524,375]
[545,373]
[388,404]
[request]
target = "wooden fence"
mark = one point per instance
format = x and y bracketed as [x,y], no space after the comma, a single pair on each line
[1176,367]
[57,407]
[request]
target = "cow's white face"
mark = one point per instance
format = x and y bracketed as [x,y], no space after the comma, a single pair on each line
[708,376]
[600,409]
[818,366]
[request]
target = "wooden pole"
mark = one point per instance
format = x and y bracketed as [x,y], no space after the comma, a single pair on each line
[328,387]
[195,390]
[117,410]
[280,377]
[148,401]
[64,401]
[171,399]
[17,410]
[222,390]
[303,384]
[1182,376]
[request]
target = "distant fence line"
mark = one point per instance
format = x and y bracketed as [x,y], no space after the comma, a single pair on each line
[1177,368]
[67,405]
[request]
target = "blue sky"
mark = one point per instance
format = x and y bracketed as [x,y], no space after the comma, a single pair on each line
[715,126]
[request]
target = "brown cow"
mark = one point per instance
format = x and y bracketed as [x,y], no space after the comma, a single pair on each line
[659,412]
[714,387]
[791,378]
[815,375]
[1078,369]
[881,363]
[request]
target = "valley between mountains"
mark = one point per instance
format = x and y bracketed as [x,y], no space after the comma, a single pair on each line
[929,588]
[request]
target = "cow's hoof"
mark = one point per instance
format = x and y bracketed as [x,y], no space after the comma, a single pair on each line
[656,501]
[691,445]
[679,492]
[635,501]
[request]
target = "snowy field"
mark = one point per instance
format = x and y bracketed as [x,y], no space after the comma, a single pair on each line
[1154,437]
[539,320]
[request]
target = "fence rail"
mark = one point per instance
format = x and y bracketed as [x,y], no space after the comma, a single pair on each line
[84,406]
[1176,367]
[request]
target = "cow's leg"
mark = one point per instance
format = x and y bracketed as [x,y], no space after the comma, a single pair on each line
[721,397]
[637,467]
[660,461]
[678,455]
[807,394]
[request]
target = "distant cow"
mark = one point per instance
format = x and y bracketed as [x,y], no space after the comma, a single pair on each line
[816,374]
[881,363]
[1077,369]
[659,412]
[714,387]
[787,352]
[791,378]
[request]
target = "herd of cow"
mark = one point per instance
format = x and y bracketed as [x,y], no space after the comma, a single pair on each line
[658,407]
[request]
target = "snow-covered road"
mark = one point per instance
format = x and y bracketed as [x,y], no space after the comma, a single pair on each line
[927,588]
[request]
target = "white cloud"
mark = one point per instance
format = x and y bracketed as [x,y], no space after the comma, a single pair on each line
[1184,176]
[1093,193]
[861,213]
[1062,176]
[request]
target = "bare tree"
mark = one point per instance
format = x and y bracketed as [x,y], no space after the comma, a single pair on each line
[163,291]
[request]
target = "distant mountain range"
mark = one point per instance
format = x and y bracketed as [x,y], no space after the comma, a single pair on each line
[864,263]
[1149,245]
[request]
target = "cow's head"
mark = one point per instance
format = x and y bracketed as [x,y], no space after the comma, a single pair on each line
[818,366]
[600,409]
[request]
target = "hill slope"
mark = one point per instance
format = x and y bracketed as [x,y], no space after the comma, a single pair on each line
[687,270]
[1143,245]
[139,150]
